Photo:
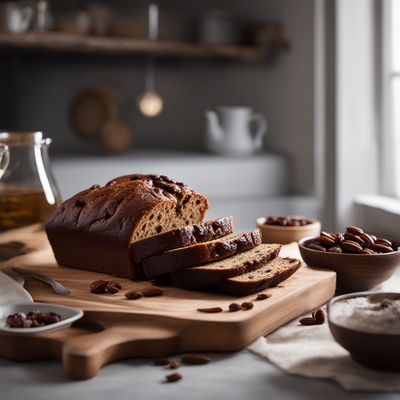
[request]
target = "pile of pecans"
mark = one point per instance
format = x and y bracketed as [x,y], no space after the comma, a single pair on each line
[34,319]
[354,241]
[287,221]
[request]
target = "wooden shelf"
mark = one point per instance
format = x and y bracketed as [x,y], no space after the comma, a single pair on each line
[83,44]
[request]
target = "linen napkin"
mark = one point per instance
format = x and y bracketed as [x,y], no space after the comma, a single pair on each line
[311,351]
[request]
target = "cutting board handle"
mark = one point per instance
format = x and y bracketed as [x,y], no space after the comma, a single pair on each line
[85,355]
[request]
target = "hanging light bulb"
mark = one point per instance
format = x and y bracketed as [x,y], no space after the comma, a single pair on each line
[150,102]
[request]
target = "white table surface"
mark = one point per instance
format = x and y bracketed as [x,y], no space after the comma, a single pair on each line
[229,376]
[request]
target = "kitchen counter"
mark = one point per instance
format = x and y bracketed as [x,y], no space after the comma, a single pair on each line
[260,175]
[246,187]
[230,376]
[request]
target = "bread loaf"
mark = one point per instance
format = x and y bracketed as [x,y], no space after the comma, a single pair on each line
[181,237]
[93,229]
[201,253]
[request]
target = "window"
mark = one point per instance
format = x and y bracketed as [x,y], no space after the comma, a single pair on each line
[391,98]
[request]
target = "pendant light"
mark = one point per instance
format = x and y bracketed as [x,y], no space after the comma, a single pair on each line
[150,102]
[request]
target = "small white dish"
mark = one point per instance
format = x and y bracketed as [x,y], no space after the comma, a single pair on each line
[68,316]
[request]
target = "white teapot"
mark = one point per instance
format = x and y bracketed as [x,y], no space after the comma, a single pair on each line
[230,134]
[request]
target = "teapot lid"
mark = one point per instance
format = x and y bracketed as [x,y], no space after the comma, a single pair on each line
[21,138]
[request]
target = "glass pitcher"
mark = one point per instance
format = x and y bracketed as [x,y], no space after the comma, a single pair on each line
[28,192]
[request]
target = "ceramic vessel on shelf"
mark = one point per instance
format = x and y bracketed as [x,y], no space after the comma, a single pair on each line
[15,18]
[28,192]
[218,27]
[229,132]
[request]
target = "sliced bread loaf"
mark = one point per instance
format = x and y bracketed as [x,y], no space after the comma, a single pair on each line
[270,274]
[181,237]
[215,272]
[93,229]
[201,253]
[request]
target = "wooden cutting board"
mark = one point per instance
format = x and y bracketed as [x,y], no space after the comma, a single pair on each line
[114,328]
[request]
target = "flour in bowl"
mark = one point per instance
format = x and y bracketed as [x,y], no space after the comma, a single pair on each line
[372,314]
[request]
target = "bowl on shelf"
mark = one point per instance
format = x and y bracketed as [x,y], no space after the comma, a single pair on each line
[355,272]
[287,234]
[376,350]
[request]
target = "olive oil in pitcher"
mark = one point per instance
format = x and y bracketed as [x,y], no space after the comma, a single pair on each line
[28,193]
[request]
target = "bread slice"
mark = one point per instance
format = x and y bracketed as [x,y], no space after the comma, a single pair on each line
[181,237]
[201,253]
[216,272]
[270,274]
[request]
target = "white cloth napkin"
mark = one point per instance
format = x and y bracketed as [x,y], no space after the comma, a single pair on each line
[312,352]
[11,292]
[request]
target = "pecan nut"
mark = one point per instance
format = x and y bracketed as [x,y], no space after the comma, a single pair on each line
[352,246]
[355,230]
[262,296]
[316,246]
[335,249]
[173,377]
[383,241]
[354,238]
[234,307]
[134,295]
[319,316]
[382,248]
[327,239]
[174,364]
[308,321]
[101,286]
[247,305]
[98,286]
[195,359]
[210,310]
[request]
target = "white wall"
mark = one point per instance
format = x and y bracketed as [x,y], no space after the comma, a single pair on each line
[350,143]
[283,90]
[357,167]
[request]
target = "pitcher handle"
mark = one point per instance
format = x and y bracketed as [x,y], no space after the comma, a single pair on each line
[4,158]
[261,129]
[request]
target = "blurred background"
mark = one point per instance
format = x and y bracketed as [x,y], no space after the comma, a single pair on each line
[268,107]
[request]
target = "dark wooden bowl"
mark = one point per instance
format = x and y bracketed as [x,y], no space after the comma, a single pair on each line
[355,272]
[372,350]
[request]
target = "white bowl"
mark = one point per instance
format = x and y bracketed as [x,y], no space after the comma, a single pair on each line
[68,316]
